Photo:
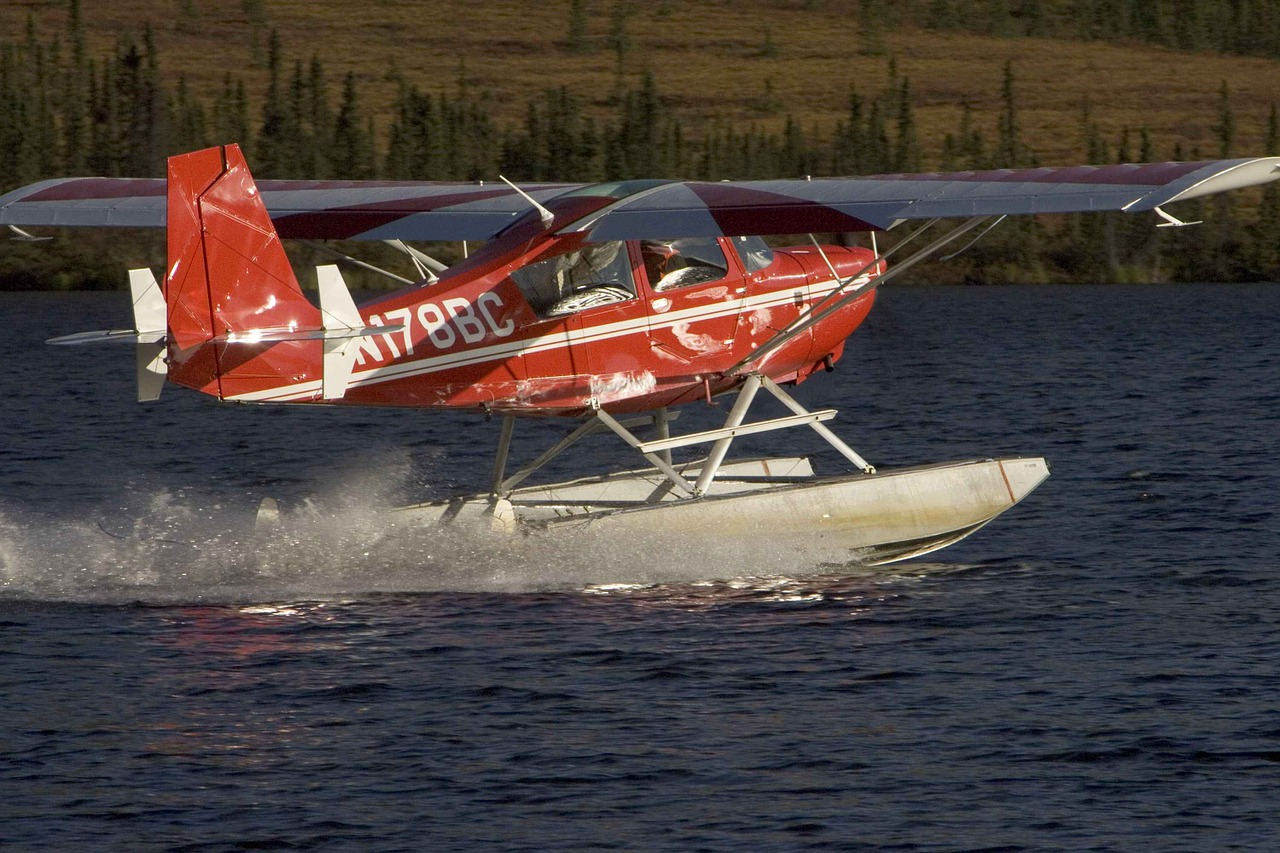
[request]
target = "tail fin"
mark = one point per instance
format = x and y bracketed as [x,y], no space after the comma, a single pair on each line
[228,274]
[231,319]
[239,326]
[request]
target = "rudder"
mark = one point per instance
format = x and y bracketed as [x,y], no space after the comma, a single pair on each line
[229,282]
[228,273]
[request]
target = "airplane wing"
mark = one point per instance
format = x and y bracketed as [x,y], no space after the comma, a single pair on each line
[381,210]
[310,210]
[700,209]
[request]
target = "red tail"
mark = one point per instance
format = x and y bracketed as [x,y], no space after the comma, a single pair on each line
[228,279]
[228,272]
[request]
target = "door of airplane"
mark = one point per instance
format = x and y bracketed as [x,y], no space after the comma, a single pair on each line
[779,288]
[591,333]
[696,293]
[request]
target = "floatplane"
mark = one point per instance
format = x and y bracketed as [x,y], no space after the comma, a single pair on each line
[606,305]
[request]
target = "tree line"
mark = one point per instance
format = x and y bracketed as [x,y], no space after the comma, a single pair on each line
[1242,27]
[63,112]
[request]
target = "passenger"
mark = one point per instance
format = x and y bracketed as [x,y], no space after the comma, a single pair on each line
[602,263]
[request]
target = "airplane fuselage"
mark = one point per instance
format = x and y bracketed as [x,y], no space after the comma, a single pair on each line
[538,323]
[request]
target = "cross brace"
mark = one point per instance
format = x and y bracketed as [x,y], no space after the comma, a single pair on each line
[658,451]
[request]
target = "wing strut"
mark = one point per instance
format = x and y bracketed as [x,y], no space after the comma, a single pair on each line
[321,247]
[1172,221]
[811,318]
[841,284]
[426,265]
[967,246]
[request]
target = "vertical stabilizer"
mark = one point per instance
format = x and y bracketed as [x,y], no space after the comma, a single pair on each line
[228,274]
[186,285]
[236,316]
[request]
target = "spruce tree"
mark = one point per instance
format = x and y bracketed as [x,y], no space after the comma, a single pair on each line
[352,149]
[577,29]
[272,141]
[1011,152]
[907,156]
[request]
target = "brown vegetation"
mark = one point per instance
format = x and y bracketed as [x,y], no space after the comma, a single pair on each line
[750,61]
[608,89]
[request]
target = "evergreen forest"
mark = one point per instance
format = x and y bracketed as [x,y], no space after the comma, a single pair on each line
[66,110]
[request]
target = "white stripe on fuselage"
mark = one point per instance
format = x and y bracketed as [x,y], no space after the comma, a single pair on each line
[544,343]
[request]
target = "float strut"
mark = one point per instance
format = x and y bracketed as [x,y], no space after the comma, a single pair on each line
[655,459]
[721,448]
[663,427]
[820,428]
[504,448]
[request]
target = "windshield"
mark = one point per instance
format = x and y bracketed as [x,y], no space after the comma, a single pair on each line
[754,251]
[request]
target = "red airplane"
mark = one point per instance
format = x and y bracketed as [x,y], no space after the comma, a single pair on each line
[592,302]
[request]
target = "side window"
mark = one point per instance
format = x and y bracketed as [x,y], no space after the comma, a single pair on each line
[682,263]
[599,274]
[754,251]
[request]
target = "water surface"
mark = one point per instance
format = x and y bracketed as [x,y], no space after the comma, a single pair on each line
[1094,671]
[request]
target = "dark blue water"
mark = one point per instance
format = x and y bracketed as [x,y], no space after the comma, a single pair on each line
[1097,670]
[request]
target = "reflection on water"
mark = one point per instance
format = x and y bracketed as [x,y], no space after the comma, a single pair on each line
[852,585]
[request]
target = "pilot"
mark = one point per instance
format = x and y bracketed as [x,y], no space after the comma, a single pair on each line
[562,273]
[657,256]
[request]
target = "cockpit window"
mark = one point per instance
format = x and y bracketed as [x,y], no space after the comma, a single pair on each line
[599,274]
[754,251]
[682,263]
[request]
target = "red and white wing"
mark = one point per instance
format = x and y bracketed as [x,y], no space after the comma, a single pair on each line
[698,209]
[380,210]
[314,210]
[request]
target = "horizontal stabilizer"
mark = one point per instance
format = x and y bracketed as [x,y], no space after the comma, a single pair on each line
[339,314]
[279,336]
[148,317]
[105,336]
[148,334]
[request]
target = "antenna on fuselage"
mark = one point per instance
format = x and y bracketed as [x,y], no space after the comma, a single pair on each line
[547,216]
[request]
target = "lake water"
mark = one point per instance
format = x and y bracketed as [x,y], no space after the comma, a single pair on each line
[1097,670]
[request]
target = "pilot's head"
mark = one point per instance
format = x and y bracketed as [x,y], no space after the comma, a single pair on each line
[656,254]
